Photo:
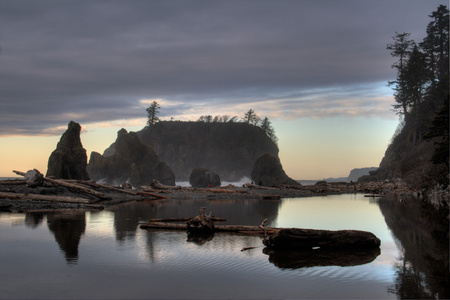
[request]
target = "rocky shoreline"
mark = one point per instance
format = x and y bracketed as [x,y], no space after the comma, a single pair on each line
[113,195]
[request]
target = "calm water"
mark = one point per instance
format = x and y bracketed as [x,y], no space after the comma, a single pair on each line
[106,255]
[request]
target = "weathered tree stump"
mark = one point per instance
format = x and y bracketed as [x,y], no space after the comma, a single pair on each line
[201,223]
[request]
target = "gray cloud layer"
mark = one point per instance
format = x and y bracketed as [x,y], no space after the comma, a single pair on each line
[94,60]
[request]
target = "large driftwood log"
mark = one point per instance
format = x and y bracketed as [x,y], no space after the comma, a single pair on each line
[259,187]
[78,188]
[218,228]
[40,197]
[221,191]
[159,186]
[158,197]
[214,219]
[12,182]
[303,239]
[109,187]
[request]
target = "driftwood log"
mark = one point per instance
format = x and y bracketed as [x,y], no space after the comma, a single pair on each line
[109,187]
[259,187]
[12,182]
[156,196]
[218,228]
[159,186]
[304,239]
[214,219]
[40,197]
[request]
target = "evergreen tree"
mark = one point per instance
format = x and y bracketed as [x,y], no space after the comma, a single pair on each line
[250,117]
[400,48]
[415,79]
[152,113]
[440,129]
[436,43]
[266,126]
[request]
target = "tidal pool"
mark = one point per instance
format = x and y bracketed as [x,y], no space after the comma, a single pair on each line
[105,255]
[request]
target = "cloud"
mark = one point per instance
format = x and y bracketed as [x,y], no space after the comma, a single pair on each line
[98,61]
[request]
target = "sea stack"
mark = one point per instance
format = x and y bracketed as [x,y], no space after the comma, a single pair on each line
[129,160]
[267,171]
[69,160]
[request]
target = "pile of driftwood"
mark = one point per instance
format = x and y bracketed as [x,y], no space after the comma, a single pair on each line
[156,185]
[88,190]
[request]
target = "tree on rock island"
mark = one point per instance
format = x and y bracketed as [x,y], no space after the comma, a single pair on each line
[251,117]
[266,126]
[152,113]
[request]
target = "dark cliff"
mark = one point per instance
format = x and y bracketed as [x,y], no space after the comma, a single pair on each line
[358,172]
[229,149]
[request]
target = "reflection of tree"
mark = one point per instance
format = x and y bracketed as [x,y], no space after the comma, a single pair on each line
[422,231]
[409,283]
[68,229]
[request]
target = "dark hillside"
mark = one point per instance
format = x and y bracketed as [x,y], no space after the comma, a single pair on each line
[227,148]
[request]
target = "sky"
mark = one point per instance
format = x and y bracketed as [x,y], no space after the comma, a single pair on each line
[318,69]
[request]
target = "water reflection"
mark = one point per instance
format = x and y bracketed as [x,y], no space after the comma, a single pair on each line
[33,220]
[159,256]
[199,238]
[66,226]
[127,216]
[421,234]
[68,229]
[312,258]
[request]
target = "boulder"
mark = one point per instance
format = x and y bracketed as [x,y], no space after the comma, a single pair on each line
[201,177]
[69,160]
[267,171]
[131,161]
[34,178]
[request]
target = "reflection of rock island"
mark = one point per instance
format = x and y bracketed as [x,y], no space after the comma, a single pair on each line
[68,229]
[285,259]
[127,216]
[423,270]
